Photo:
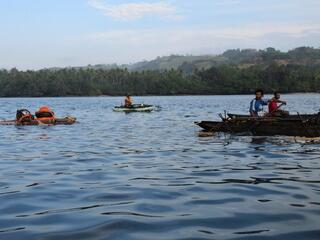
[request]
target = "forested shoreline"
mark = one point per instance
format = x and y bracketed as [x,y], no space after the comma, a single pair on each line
[227,78]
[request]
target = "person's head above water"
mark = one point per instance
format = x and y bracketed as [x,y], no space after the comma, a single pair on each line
[128,95]
[259,94]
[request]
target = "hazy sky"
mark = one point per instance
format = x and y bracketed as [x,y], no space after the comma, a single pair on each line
[47,33]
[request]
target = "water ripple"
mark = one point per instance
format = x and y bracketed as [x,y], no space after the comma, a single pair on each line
[150,176]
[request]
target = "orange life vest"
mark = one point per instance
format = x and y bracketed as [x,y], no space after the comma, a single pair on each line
[45,114]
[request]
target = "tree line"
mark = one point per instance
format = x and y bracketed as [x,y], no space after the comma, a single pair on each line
[223,79]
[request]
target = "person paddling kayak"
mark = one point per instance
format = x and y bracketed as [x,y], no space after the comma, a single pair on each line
[274,108]
[128,102]
[257,104]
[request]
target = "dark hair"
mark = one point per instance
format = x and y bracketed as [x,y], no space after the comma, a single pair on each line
[259,91]
[275,93]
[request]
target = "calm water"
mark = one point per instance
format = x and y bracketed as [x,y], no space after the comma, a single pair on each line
[150,176]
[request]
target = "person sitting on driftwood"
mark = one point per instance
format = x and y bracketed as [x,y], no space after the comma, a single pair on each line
[274,108]
[128,101]
[257,104]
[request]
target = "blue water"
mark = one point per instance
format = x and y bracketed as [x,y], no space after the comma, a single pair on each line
[150,175]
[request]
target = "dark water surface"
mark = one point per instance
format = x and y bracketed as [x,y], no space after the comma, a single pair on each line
[150,176]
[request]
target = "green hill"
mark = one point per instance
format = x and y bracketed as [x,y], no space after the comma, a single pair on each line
[239,57]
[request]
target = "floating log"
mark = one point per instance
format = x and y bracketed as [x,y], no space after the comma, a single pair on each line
[57,121]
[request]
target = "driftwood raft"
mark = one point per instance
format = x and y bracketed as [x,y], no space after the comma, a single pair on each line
[57,121]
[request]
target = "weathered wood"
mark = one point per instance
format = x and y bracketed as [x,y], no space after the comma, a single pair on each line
[287,117]
[266,126]
[57,121]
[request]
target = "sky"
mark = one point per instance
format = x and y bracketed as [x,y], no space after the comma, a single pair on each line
[37,34]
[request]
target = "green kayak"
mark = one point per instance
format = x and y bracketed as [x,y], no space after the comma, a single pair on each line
[135,108]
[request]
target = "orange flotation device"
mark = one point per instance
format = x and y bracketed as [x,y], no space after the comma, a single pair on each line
[45,114]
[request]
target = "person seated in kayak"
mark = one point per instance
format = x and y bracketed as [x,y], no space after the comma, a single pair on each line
[257,104]
[128,101]
[274,108]
[45,114]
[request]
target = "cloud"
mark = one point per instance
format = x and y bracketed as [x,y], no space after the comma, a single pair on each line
[244,33]
[132,45]
[133,11]
[125,46]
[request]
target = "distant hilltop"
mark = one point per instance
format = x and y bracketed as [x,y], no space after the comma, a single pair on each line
[238,57]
